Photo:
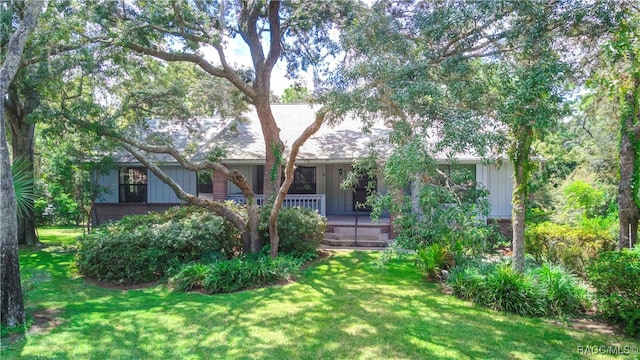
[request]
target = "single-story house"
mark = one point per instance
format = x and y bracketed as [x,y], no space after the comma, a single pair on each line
[322,164]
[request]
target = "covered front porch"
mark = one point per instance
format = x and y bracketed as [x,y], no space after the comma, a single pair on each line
[315,186]
[343,231]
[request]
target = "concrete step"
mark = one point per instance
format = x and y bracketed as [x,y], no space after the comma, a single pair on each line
[350,248]
[334,236]
[361,230]
[354,243]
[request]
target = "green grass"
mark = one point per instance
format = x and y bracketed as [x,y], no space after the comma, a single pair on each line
[63,236]
[343,307]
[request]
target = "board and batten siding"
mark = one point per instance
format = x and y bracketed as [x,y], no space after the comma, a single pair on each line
[157,191]
[110,182]
[499,182]
[160,193]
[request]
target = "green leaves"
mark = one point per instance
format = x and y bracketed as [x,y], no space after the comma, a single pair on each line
[23,185]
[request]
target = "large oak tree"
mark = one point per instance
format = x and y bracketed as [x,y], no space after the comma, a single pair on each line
[177,31]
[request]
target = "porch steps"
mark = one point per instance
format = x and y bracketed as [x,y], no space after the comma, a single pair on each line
[369,236]
[357,243]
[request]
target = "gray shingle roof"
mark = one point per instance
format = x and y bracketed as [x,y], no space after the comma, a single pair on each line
[345,141]
[243,141]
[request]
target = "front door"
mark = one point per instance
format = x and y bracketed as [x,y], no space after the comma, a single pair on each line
[360,193]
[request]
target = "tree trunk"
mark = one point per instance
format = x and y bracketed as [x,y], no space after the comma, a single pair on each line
[518,217]
[628,211]
[11,301]
[22,144]
[288,179]
[416,188]
[253,219]
[274,149]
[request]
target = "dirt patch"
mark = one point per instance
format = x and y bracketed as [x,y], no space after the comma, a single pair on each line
[123,287]
[44,321]
[591,325]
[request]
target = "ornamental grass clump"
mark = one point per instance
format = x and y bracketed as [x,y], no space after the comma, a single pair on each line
[225,276]
[542,291]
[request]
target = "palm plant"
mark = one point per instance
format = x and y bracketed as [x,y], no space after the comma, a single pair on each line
[23,186]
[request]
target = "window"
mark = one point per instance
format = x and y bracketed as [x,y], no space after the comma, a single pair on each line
[304,180]
[133,184]
[205,181]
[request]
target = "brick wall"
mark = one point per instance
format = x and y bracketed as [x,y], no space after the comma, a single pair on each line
[504,226]
[103,213]
[219,187]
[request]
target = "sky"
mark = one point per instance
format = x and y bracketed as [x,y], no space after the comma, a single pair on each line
[238,53]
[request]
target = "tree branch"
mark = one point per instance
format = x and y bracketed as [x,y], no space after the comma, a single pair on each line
[275,46]
[52,52]
[134,147]
[248,30]
[234,176]
[198,60]
[16,45]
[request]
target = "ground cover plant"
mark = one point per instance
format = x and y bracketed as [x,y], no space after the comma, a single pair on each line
[545,290]
[342,307]
[229,275]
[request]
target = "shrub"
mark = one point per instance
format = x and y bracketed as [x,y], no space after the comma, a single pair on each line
[568,246]
[616,277]
[143,247]
[300,229]
[546,290]
[231,275]
[433,259]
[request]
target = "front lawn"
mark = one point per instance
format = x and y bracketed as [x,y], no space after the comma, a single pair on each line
[343,307]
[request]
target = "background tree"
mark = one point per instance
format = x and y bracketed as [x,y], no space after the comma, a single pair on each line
[622,80]
[428,68]
[51,51]
[295,93]
[11,301]
[67,175]
[530,105]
